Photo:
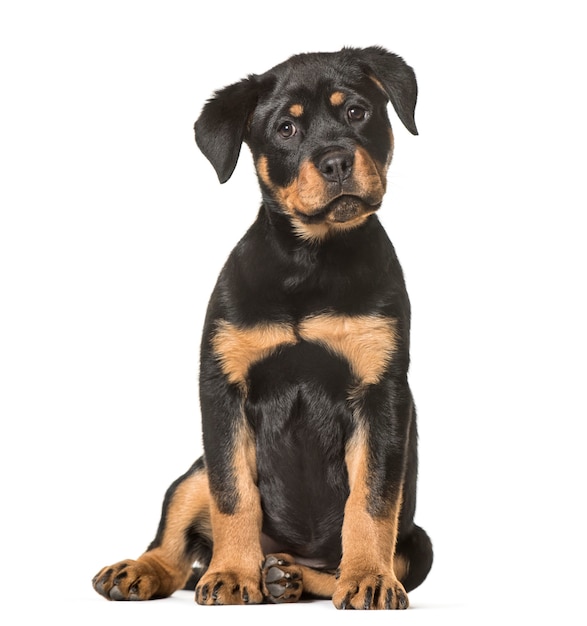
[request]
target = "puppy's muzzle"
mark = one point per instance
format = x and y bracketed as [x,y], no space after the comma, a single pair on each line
[345,201]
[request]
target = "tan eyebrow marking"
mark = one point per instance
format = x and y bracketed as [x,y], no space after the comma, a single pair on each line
[296,110]
[337,98]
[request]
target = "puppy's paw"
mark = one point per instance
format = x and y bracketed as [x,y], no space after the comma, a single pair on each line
[229,587]
[128,580]
[369,591]
[282,579]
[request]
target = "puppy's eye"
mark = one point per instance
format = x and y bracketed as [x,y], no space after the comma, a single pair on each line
[287,130]
[356,113]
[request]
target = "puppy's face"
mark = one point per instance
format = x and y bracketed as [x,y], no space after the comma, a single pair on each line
[318,129]
[322,144]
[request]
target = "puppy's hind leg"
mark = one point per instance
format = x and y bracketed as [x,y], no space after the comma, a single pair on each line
[184,536]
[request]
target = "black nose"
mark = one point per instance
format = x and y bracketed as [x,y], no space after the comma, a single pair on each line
[336,165]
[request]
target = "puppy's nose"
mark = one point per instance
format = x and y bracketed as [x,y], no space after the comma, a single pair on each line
[336,165]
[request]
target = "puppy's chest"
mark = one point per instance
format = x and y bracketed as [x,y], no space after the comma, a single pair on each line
[366,343]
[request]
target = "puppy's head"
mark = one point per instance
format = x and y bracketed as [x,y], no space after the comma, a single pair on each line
[318,129]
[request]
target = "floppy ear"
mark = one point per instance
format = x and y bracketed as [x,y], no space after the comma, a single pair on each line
[397,79]
[221,127]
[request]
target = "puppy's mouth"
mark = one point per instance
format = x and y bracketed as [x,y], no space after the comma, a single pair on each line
[341,210]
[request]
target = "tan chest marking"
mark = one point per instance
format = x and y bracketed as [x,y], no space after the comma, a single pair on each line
[366,342]
[239,348]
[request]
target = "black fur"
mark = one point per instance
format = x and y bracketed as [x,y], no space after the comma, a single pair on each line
[297,403]
[319,133]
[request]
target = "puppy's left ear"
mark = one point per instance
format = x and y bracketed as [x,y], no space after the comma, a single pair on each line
[397,79]
[221,127]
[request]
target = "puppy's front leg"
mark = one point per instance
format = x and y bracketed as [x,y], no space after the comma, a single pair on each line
[375,459]
[234,574]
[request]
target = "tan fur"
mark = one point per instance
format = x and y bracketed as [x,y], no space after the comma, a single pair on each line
[239,348]
[165,568]
[367,342]
[368,542]
[401,566]
[191,500]
[316,582]
[237,570]
[296,110]
[308,194]
[370,177]
[337,98]
[243,527]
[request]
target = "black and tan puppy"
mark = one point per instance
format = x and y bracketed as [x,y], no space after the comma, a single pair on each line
[308,479]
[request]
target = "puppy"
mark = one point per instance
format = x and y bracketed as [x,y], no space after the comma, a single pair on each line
[307,484]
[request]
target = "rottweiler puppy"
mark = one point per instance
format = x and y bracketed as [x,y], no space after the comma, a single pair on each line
[307,484]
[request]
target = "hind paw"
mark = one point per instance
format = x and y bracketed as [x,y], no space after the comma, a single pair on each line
[128,580]
[282,579]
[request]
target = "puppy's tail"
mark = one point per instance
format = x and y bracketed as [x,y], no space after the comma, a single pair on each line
[416,548]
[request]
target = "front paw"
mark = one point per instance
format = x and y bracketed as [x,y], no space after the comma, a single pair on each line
[229,587]
[127,580]
[369,591]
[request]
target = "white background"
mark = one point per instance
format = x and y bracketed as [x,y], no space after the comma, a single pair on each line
[113,228]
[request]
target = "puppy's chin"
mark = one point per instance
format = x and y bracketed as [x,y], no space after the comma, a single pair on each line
[341,210]
[345,209]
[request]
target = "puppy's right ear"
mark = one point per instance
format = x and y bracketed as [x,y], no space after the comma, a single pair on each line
[221,127]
